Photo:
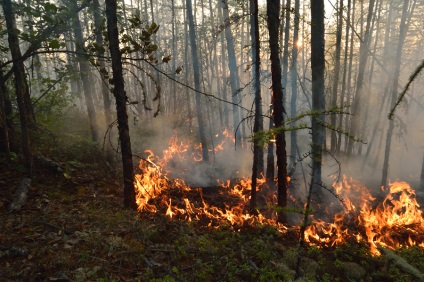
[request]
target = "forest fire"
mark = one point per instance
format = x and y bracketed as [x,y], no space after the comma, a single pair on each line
[396,222]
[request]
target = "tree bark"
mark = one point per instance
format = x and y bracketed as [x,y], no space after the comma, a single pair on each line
[232,65]
[21,85]
[333,141]
[318,97]
[196,73]
[104,88]
[121,108]
[273,11]
[258,153]
[85,73]
[344,82]
[401,41]
[4,130]
[363,58]
[293,110]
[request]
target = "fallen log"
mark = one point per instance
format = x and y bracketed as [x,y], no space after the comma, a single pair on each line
[402,263]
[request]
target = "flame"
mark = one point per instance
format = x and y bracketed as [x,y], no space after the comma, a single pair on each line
[391,224]
[154,183]
[396,222]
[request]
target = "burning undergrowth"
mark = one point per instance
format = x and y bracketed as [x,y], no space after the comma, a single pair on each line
[162,187]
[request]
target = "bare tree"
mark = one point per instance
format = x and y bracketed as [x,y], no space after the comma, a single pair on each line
[121,107]
[273,11]
[21,85]
[196,73]
[85,72]
[258,153]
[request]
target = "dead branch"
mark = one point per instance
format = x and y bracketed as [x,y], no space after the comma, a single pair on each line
[402,263]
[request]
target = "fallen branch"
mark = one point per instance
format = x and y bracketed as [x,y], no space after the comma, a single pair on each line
[402,263]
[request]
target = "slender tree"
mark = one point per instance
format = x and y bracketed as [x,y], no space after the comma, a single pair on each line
[293,102]
[4,130]
[318,95]
[258,153]
[196,73]
[344,82]
[232,65]
[363,58]
[121,107]
[402,34]
[336,73]
[21,85]
[85,72]
[104,88]
[273,11]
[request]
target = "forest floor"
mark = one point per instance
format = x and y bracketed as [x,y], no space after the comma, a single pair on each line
[73,227]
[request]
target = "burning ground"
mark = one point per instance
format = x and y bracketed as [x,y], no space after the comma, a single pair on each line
[73,227]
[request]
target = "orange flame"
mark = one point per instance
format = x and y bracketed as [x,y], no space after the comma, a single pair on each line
[391,224]
[396,222]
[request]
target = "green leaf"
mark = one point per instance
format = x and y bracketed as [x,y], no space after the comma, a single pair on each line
[49,7]
[54,44]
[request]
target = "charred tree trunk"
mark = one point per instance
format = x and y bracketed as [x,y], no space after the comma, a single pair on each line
[273,11]
[196,74]
[318,97]
[21,85]
[85,72]
[121,107]
[258,153]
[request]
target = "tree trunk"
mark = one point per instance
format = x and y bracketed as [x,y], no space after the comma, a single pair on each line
[104,88]
[258,153]
[232,65]
[293,110]
[336,74]
[344,82]
[85,73]
[273,11]
[223,71]
[318,97]
[286,47]
[21,86]
[402,35]
[196,73]
[4,131]
[190,116]
[363,58]
[349,77]
[121,108]
[422,177]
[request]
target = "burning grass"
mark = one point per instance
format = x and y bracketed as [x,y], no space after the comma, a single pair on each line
[74,229]
[396,222]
